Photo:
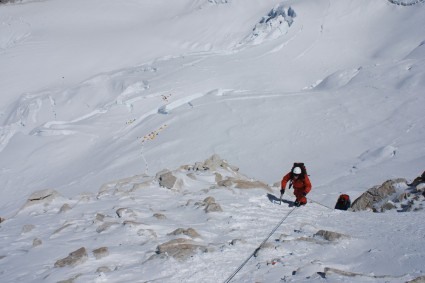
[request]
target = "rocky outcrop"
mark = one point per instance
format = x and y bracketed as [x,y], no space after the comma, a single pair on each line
[180,248]
[393,194]
[159,216]
[216,168]
[330,236]
[420,279]
[103,269]
[101,252]
[75,258]
[44,197]
[209,204]
[225,175]
[243,184]
[125,186]
[418,180]
[372,198]
[214,163]
[106,226]
[329,271]
[167,180]
[125,212]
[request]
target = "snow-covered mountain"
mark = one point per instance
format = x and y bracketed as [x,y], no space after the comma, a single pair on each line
[97,97]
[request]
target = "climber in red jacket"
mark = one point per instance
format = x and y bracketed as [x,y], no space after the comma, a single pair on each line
[300,182]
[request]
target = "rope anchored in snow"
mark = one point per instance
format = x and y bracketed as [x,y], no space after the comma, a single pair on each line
[259,247]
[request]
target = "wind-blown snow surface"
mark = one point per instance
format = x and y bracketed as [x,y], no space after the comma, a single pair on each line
[95,91]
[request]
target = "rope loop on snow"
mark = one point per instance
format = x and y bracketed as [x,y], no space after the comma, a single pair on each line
[259,247]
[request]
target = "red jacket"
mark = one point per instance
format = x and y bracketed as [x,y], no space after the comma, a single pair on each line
[299,184]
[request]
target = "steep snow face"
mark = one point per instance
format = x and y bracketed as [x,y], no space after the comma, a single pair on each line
[346,79]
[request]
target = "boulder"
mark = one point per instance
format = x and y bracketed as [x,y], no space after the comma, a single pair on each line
[132,223]
[330,236]
[420,279]
[103,269]
[125,212]
[180,248]
[210,205]
[226,183]
[159,216]
[167,180]
[42,197]
[209,200]
[213,207]
[36,242]
[75,258]
[215,162]
[105,226]
[100,217]
[101,252]
[235,242]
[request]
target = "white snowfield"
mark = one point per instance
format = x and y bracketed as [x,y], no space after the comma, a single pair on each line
[98,96]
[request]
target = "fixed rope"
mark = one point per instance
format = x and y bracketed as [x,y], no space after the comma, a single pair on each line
[312,200]
[259,247]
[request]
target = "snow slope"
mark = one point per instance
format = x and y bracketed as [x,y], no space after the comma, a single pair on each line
[132,217]
[96,91]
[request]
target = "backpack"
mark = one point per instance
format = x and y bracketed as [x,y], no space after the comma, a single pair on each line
[343,202]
